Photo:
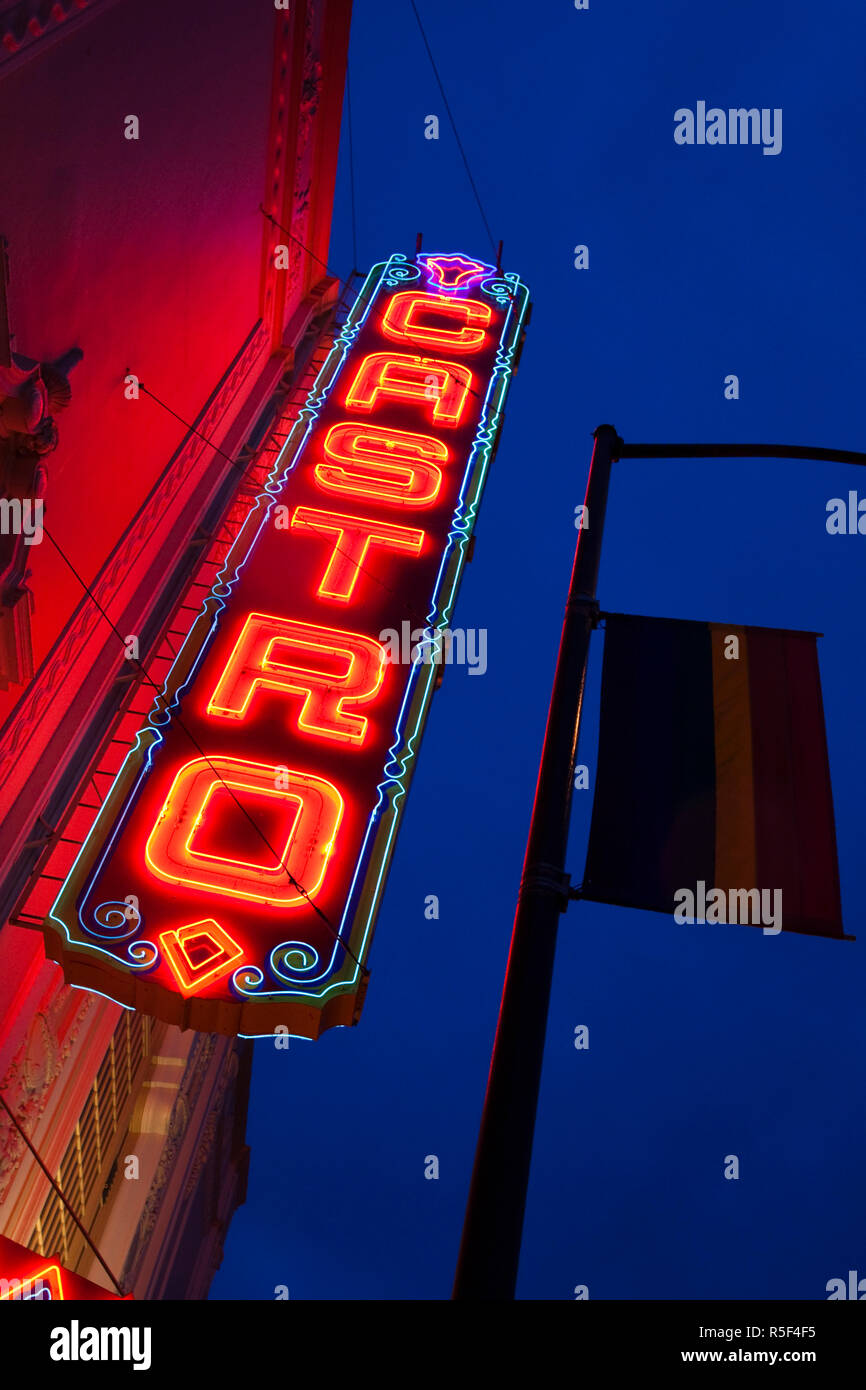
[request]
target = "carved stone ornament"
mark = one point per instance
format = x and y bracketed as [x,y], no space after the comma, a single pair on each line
[35,1067]
[31,394]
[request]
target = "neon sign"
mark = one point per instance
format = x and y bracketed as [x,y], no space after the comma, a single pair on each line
[232,877]
[28,1277]
[42,1285]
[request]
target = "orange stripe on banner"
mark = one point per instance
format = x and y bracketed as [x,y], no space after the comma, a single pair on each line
[736,859]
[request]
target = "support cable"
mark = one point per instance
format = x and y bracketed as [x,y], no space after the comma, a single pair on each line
[59,1193]
[454,128]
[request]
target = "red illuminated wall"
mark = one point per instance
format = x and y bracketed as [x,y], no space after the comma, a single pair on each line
[143,253]
[150,255]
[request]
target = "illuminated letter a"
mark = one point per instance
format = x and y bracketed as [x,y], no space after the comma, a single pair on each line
[405,378]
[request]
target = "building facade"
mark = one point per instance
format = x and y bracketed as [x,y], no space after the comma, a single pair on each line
[165,215]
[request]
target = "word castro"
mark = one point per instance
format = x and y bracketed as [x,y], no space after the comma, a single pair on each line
[233,874]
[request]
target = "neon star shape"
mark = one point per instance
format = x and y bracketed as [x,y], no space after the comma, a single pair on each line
[454,272]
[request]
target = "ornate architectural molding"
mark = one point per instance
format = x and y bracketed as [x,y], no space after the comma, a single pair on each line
[290,155]
[28,27]
[184,1105]
[31,1075]
[303,174]
[31,393]
[219,1111]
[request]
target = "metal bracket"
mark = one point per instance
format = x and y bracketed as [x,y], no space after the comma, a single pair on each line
[41,840]
[550,880]
[589,605]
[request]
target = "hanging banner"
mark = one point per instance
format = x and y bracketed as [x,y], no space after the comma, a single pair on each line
[231,880]
[713,799]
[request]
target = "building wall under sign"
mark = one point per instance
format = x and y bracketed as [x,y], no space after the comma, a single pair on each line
[156,1162]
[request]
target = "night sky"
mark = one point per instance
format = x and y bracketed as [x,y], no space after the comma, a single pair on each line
[704,1040]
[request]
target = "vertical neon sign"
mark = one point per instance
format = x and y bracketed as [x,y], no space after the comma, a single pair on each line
[253,826]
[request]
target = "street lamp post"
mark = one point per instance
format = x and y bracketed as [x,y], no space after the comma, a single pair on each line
[490,1248]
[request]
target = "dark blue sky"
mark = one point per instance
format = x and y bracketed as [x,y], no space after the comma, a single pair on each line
[706,1040]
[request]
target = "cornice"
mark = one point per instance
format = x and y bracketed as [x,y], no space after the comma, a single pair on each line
[29,27]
